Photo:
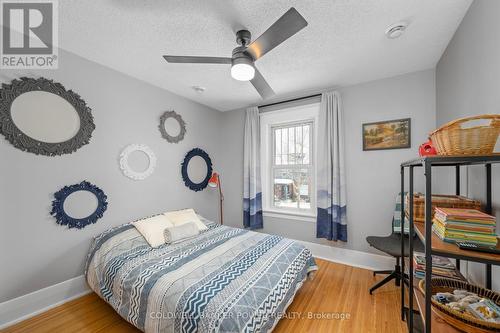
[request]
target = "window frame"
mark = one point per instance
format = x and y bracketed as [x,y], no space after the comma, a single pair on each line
[285,117]
[311,166]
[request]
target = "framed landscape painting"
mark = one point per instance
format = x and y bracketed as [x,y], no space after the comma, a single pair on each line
[389,134]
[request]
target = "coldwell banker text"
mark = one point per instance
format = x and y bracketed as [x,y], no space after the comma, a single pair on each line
[29,34]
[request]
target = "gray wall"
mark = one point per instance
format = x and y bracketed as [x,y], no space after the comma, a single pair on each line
[35,251]
[372,177]
[467,83]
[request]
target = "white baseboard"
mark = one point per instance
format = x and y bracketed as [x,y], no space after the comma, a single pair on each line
[350,257]
[26,306]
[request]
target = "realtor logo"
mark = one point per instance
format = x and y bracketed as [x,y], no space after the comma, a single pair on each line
[29,34]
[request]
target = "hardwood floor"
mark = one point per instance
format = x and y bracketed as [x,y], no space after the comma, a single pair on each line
[336,289]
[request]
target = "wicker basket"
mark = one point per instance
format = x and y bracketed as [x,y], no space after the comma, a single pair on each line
[438,200]
[455,318]
[454,139]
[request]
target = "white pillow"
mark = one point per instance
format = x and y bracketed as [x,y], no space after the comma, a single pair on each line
[179,217]
[180,232]
[152,229]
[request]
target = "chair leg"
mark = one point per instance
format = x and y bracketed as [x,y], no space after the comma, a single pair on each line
[397,269]
[382,272]
[388,278]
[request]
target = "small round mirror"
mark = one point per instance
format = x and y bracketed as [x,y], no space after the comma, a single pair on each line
[45,116]
[196,169]
[137,161]
[80,204]
[172,127]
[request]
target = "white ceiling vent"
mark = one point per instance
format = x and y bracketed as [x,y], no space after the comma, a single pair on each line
[198,89]
[396,30]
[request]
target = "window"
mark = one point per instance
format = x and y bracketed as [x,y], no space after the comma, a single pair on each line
[288,143]
[292,167]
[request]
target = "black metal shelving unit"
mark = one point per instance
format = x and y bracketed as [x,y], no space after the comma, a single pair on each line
[426,236]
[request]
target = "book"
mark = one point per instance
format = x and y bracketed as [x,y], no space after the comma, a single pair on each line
[466,222]
[437,261]
[466,235]
[453,237]
[441,267]
[463,214]
[451,274]
[460,233]
[465,226]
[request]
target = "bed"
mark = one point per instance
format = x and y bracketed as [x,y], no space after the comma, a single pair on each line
[224,280]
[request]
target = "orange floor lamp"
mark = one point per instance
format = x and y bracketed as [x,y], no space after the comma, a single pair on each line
[215,182]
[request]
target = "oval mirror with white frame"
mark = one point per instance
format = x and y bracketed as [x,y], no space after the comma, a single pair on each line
[137,161]
[40,116]
[196,169]
[172,127]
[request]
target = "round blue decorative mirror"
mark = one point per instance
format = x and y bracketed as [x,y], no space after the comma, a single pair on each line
[79,222]
[196,169]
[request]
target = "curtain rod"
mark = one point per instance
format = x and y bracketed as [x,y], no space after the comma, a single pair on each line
[288,101]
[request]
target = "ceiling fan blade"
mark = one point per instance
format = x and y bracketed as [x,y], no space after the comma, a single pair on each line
[285,27]
[196,60]
[261,85]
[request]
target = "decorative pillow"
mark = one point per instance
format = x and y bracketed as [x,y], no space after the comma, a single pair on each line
[180,232]
[178,217]
[152,229]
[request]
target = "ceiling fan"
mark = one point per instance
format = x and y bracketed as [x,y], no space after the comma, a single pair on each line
[245,55]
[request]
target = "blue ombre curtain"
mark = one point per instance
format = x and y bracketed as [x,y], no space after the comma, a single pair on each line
[252,193]
[331,195]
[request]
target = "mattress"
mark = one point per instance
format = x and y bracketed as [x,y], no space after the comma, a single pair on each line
[223,280]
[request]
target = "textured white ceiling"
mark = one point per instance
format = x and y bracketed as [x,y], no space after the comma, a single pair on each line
[343,44]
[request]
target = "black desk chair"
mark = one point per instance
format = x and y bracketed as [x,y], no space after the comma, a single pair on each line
[392,246]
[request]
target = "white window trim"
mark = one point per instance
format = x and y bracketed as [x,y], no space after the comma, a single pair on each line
[290,115]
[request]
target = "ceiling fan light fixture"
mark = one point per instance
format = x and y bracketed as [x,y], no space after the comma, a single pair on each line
[242,69]
[242,72]
[248,51]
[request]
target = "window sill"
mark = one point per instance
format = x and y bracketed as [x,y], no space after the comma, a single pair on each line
[311,218]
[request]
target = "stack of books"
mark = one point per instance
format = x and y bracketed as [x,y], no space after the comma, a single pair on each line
[464,225]
[441,267]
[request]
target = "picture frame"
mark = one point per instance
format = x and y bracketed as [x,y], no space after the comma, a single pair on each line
[387,134]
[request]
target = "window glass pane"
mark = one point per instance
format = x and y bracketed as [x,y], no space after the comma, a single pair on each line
[291,146]
[285,191]
[292,188]
[277,146]
[284,146]
[298,144]
[306,133]
[303,181]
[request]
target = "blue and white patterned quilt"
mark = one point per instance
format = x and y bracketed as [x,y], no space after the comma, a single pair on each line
[223,280]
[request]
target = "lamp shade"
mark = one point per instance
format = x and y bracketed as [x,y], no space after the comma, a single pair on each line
[214,180]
